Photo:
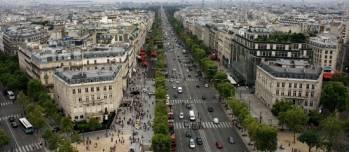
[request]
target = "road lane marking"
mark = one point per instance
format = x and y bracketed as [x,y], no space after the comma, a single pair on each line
[205,141]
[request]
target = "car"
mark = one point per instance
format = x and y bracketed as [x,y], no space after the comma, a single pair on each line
[186,124]
[174,87]
[219,145]
[191,143]
[188,106]
[11,119]
[187,134]
[14,124]
[203,97]
[197,86]
[199,141]
[181,115]
[206,85]
[189,75]
[210,109]
[231,140]
[215,120]
[177,81]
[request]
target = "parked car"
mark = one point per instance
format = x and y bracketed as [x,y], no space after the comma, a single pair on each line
[11,119]
[14,124]
[210,109]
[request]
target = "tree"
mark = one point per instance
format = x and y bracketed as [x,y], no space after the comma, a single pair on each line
[295,119]
[220,77]
[51,138]
[315,118]
[331,127]
[34,89]
[65,146]
[161,143]
[335,96]
[4,139]
[281,106]
[36,116]
[266,138]
[94,124]
[225,89]
[311,137]
[67,125]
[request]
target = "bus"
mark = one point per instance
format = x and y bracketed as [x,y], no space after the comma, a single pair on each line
[328,73]
[191,115]
[26,125]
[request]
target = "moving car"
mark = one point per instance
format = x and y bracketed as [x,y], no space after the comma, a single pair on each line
[187,134]
[188,106]
[219,145]
[179,89]
[14,124]
[206,85]
[11,119]
[11,95]
[199,140]
[191,143]
[210,109]
[215,120]
[181,115]
[231,140]
[191,115]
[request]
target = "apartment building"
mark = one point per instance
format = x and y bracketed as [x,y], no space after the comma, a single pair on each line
[255,44]
[91,92]
[325,50]
[19,34]
[296,81]
[41,64]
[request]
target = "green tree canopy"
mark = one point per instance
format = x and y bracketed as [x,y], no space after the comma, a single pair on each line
[311,137]
[295,119]
[335,97]
[331,127]
[4,139]
[266,138]
[281,106]
[161,143]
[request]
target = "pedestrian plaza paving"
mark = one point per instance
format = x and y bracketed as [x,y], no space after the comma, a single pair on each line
[12,115]
[33,147]
[193,101]
[204,125]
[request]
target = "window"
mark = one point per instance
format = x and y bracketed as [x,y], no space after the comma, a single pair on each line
[79,90]
[290,85]
[312,94]
[110,87]
[277,92]
[73,91]
[98,97]
[300,85]
[282,93]
[105,96]
[307,94]
[105,88]
[289,93]
[88,62]
[312,86]
[95,61]
[86,89]
[307,86]
[277,84]
[76,117]
[110,95]
[92,89]
[80,99]
[283,84]
[97,88]
[295,85]
[306,103]
[87,98]
[93,97]
[299,93]
[294,93]
[326,52]
[81,116]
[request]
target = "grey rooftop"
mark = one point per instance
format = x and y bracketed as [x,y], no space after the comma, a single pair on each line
[296,69]
[85,75]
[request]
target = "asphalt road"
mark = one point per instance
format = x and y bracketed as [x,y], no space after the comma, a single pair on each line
[178,64]
[20,142]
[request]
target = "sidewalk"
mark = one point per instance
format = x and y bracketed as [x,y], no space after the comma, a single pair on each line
[132,125]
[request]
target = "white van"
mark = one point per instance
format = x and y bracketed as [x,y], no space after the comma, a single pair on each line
[11,95]
[191,115]
[179,89]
